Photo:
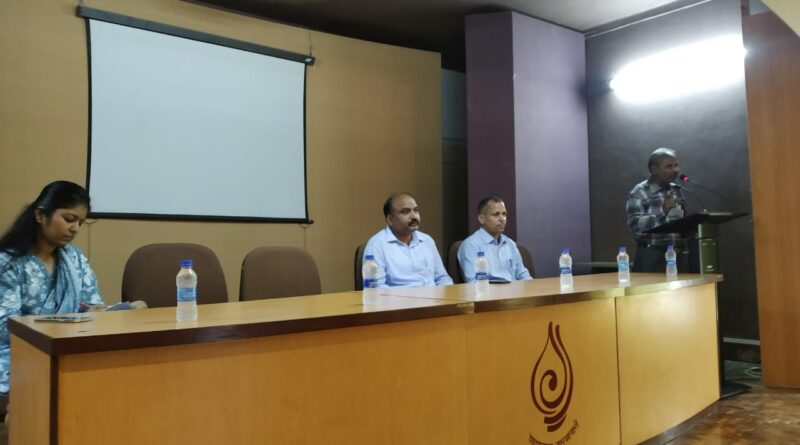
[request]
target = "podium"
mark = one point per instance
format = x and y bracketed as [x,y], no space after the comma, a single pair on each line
[700,229]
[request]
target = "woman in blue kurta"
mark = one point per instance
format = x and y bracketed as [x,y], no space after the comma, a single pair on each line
[40,271]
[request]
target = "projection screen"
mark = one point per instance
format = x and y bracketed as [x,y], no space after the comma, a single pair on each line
[185,126]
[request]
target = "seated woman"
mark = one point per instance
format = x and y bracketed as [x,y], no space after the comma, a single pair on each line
[40,271]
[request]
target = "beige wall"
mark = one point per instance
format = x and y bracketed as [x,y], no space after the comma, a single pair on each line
[788,11]
[373,126]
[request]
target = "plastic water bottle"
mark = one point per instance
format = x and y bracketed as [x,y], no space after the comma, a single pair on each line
[565,266]
[623,266]
[186,281]
[369,275]
[672,263]
[481,274]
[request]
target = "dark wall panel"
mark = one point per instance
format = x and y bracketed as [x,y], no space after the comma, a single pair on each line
[708,130]
[550,136]
[490,113]
[527,131]
[455,214]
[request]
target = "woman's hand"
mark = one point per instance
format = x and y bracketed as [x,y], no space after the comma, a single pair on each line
[95,307]
[138,304]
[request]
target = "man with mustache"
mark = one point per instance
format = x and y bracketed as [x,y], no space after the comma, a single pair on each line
[651,203]
[505,261]
[405,256]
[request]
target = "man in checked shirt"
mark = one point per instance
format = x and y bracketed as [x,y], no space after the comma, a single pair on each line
[651,203]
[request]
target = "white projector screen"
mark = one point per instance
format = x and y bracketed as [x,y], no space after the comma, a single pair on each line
[185,129]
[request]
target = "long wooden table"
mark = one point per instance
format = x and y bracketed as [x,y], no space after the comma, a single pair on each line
[527,363]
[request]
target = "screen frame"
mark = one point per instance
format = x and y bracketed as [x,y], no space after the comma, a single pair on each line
[146,25]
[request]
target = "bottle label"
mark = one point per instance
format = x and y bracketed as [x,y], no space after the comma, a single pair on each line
[671,263]
[370,283]
[187,294]
[565,270]
[623,265]
[481,276]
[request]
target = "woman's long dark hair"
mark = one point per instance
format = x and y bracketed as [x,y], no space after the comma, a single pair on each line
[19,239]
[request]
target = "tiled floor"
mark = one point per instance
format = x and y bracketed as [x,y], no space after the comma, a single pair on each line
[759,416]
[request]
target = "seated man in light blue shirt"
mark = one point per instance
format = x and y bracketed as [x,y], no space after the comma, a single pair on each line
[405,256]
[505,261]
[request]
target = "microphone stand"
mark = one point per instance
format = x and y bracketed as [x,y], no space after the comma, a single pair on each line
[727,201]
[696,196]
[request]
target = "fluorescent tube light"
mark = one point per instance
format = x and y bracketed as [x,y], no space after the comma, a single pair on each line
[682,71]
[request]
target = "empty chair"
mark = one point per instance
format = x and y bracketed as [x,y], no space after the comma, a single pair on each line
[357,264]
[453,268]
[150,274]
[274,272]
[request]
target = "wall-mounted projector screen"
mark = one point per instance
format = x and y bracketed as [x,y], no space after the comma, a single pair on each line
[185,125]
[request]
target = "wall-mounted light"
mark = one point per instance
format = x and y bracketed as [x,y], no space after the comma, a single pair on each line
[681,71]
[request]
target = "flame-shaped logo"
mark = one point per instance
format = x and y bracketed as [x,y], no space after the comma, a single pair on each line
[552,380]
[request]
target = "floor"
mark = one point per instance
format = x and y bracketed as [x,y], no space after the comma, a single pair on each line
[758,416]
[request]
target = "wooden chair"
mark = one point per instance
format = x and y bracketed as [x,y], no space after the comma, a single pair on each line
[527,258]
[275,272]
[453,267]
[150,271]
[357,264]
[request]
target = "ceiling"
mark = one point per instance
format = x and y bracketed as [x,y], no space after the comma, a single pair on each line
[438,25]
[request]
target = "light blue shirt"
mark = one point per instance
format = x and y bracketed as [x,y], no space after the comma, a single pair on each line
[505,261]
[26,288]
[406,265]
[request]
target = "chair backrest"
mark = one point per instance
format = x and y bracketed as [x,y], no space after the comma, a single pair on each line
[357,263]
[453,268]
[527,258]
[149,274]
[275,272]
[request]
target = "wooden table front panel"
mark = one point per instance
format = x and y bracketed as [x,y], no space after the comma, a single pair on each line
[30,394]
[668,369]
[600,370]
[392,383]
[507,350]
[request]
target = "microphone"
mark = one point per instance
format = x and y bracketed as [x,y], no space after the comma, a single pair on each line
[686,179]
[676,186]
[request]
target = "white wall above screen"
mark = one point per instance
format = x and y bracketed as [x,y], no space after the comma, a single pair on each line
[186,128]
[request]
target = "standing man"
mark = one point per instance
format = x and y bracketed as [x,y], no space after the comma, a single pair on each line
[505,261]
[405,256]
[651,203]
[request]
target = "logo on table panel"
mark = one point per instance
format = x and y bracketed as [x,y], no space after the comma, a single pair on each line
[552,382]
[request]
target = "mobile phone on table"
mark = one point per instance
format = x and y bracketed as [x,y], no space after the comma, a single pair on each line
[121,306]
[62,318]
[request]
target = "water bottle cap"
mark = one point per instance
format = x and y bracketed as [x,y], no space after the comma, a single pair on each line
[186,263]
[564,250]
[480,253]
[623,250]
[370,257]
[669,247]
